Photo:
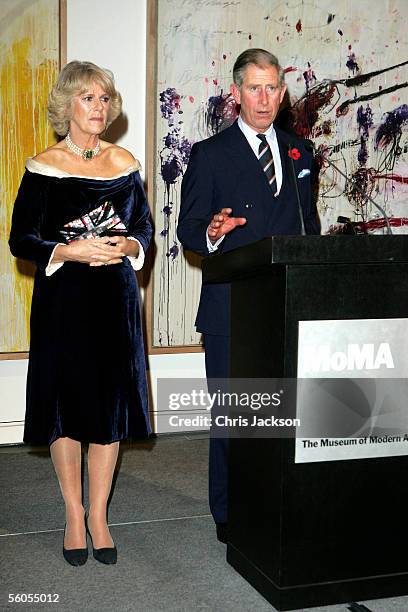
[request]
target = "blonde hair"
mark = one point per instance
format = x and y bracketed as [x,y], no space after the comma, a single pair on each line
[73,80]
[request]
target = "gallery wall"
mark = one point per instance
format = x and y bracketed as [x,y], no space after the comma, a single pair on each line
[99,32]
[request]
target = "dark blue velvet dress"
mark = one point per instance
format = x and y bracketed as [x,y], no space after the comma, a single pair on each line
[86,375]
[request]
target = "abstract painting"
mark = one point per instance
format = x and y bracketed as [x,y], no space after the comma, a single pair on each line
[346,67]
[29,60]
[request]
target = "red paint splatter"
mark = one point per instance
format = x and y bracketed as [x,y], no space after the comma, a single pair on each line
[340,32]
[375,224]
[215,81]
[290,69]
[224,56]
[341,111]
[325,128]
[306,110]
[327,125]
[250,37]
[206,80]
[299,26]
[349,47]
[393,177]
[380,88]
[191,99]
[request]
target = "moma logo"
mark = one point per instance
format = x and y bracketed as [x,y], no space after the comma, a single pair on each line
[357,357]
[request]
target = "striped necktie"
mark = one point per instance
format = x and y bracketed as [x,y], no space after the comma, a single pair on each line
[266,160]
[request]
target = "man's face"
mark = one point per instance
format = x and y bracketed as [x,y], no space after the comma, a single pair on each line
[259,96]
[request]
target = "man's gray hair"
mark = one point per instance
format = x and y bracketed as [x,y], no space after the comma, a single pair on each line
[259,57]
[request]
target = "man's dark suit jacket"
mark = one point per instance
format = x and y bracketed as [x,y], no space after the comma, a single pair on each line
[223,172]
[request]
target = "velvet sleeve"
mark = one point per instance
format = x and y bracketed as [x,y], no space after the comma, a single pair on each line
[29,211]
[140,226]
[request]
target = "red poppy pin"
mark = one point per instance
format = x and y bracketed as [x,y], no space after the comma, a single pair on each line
[294,154]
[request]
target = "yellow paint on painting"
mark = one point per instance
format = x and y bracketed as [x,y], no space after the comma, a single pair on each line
[28,69]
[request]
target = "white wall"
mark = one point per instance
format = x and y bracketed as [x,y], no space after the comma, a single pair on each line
[113,35]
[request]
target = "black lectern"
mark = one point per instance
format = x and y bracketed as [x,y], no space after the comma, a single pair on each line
[310,534]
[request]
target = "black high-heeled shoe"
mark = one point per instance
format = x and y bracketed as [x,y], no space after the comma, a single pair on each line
[74,556]
[108,555]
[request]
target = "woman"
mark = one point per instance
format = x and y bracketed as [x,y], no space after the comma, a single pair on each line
[81,215]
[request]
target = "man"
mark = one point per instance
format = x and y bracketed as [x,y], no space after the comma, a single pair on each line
[239,188]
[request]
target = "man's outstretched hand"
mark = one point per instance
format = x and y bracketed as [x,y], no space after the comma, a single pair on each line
[222,224]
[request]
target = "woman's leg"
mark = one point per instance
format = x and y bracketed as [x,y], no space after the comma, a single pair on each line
[66,457]
[101,466]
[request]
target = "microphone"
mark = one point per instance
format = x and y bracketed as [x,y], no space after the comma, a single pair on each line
[302,221]
[309,146]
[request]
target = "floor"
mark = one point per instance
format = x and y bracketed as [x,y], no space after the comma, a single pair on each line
[168,556]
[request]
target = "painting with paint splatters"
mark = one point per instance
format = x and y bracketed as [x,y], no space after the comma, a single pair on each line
[29,61]
[346,68]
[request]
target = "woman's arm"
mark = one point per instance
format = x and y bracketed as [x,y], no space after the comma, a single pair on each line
[25,235]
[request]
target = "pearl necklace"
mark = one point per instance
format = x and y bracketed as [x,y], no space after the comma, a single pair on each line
[86,154]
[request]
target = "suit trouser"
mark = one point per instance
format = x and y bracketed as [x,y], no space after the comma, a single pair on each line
[217,365]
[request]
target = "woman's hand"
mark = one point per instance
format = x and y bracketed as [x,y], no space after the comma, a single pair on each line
[93,251]
[128,247]
[122,244]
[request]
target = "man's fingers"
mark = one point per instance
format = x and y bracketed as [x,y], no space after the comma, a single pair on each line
[221,225]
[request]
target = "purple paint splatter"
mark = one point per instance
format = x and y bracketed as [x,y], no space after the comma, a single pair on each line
[390,130]
[351,62]
[170,170]
[174,155]
[173,251]
[309,77]
[170,103]
[177,148]
[221,112]
[364,122]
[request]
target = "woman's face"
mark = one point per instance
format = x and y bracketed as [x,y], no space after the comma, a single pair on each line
[90,110]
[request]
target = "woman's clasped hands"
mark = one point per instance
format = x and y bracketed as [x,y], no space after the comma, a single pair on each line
[104,251]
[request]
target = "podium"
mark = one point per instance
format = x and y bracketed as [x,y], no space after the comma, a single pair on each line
[326,532]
